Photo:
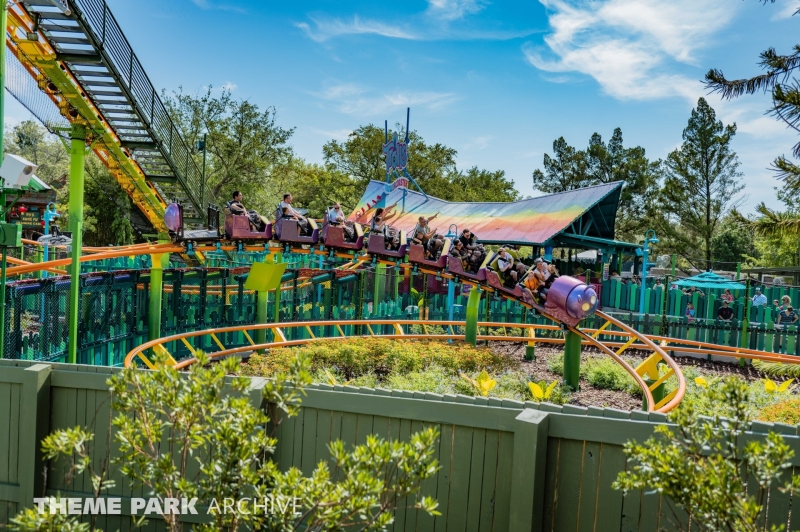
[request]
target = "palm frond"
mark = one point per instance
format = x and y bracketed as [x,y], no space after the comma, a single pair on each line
[774,223]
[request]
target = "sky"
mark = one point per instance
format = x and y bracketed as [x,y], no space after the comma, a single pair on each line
[497,81]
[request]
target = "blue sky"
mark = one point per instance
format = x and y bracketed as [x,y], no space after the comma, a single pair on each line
[498,81]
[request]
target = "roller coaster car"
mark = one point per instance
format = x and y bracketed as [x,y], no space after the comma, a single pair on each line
[455,267]
[376,245]
[416,254]
[333,236]
[570,300]
[237,227]
[287,230]
[173,219]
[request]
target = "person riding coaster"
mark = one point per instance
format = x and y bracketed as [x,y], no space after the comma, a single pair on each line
[378,224]
[286,211]
[335,217]
[422,232]
[510,271]
[235,207]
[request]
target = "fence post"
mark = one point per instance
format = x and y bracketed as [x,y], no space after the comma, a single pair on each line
[572,359]
[156,291]
[528,474]
[35,411]
[473,305]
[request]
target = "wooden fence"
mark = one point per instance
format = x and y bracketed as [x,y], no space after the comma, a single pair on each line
[505,465]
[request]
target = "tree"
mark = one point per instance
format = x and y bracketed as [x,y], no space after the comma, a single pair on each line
[704,467]
[701,184]
[433,167]
[733,243]
[244,144]
[565,170]
[781,81]
[199,435]
[106,218]
[778,235]
[611,162]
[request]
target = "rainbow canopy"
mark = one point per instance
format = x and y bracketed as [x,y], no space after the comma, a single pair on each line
[578,218]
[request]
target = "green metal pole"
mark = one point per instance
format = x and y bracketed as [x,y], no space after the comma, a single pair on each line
[572,359]
[156,294]
[674,263]
[3,299]
[473,306]
[76,189]
[738,270]
[261,315]
[658,394]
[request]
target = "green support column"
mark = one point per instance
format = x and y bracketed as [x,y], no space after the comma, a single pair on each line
[674,264]
[76,188]
[160,260]
[572,360]
[658,394]
[473,305]
[745,319]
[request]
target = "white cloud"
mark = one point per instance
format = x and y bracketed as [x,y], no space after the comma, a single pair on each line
[453,9]
[336,134]
[630,46]
[328,28]
[478,143]
[361,101]
[787,8]
[209,5]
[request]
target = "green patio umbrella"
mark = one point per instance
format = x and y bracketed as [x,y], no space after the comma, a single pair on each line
[710,280]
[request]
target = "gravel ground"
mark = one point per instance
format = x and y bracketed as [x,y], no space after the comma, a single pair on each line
[591,396]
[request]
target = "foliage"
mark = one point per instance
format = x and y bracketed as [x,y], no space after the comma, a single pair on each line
[380,356]
[200,436]
[700,186]
[600,163]
[771,386]
[787,411]
[778,369]
[433,167]
[607,374]
[778,234]
[107,208]
[781,82]
[483,383]
[541,391]
[245,145]
[698,465]
[732,242]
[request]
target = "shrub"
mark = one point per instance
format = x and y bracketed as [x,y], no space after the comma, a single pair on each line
[606,373]
[778,369]
[787,411]
[356,357]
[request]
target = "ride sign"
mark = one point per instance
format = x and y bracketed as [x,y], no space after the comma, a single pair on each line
[396,152]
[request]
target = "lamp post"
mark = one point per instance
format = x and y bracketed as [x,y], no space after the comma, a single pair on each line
[649,238]
[201,146]
[451,288]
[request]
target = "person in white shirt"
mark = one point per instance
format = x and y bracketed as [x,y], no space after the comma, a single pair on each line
[336,217]
[289,211]
[759,299]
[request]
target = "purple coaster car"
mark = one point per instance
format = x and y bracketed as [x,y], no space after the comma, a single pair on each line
[570,300]
[455,267]
[377,246]
[173,219]
[237,227]
[333,237]
[416,254]
[287,230]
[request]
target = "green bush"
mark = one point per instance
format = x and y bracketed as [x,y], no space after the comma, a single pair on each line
[356,357]
[787,411]
[778,369]
[607,374]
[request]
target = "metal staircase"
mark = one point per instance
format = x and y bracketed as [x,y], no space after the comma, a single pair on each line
[90,44]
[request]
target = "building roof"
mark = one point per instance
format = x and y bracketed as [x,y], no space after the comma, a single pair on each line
[565,218]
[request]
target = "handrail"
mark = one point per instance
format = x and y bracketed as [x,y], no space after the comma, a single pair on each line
[140,350]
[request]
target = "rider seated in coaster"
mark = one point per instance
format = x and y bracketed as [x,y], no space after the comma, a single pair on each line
[505,265]
[235,207]
[475,259]
[336,217]
[302,221]
[434,248]
[542,274]
[469,239]
[422,232]
[378,225]
[460,252]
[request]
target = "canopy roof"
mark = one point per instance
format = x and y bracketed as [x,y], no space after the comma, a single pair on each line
[577,218]
[710,280]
